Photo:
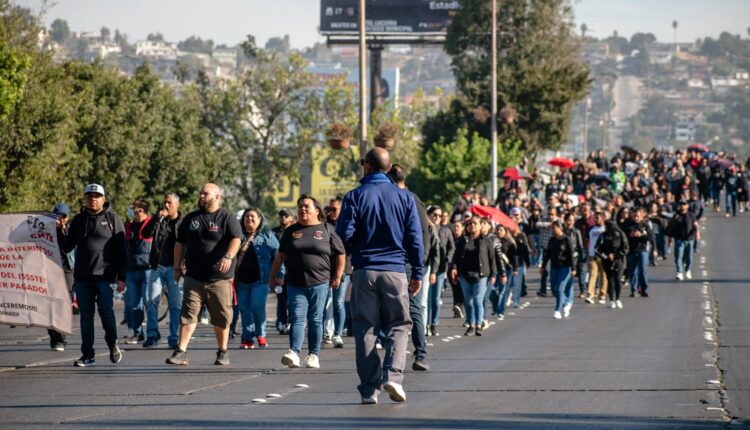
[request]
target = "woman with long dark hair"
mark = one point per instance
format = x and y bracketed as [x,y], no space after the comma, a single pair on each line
[257,251]
[474,267]
[612,247]
[314,257]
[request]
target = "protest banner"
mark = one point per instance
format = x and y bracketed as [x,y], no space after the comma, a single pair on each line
[33,291]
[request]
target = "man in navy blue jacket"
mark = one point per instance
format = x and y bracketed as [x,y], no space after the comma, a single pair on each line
[380,225]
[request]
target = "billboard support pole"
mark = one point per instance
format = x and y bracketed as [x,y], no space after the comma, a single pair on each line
[362,84]
[493,169]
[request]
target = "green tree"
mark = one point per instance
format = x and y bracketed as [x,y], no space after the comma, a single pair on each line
[105,33]
[60,30]
[451,168]
[155,37]
[196,44]
[541,72]
[268,121]
[13,75]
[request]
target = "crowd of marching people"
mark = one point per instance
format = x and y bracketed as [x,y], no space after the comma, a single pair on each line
[336,270]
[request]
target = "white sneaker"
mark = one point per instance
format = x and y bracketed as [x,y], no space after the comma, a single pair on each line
[395,391]
[372,400]
[378,345]
[558,315]
[566,310]
[612,305]
[311,361]
[338,342]
[679,277]
[619,304]
[204,321]
[290,359]
[602,302]
[500,317]
[688,275]
[589,300]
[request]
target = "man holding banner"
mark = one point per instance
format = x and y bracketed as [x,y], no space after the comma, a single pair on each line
[98,236]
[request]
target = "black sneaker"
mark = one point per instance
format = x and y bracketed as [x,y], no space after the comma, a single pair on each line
[141,337]
[115,354]
[221,358]
[178,358]
[541,294]
[151,342]
[478,331]
[420,364]
[433,330]
[470,331]
[85,362]
[58,346]
[131,340]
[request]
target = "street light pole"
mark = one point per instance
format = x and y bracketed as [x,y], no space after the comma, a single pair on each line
[362,86]
[493,169]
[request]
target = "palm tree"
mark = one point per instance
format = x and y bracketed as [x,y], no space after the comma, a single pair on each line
[674,28]
[585,28]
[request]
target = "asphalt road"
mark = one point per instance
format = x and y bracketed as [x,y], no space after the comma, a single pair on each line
[676,360]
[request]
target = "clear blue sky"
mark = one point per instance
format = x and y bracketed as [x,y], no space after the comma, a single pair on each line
[228,21]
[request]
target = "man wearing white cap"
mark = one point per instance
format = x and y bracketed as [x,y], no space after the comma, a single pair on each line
[98,237]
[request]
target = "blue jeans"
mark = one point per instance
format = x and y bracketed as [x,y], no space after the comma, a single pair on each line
[474,298]
[535,259]
[518,279]
[335,311]
[433,301]
[503,291]
[251,299]
[339,309]
[91,295]
[638,271]
[562,286]
[683,254]
[137,283]
[731,201]
[307,304]
[160,276]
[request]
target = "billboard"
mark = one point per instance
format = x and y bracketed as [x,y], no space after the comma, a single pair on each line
[388,17]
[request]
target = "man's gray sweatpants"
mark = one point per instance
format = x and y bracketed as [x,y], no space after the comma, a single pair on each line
[380,302]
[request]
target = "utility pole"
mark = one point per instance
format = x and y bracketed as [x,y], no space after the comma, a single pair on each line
[586,102]
[493,169]
[362,85]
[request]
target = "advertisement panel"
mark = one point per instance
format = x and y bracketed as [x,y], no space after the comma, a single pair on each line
[388,17]
[33,291]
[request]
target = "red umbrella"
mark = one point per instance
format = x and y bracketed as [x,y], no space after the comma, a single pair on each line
[494,214]
[514,174]
[562,162]
[697,147]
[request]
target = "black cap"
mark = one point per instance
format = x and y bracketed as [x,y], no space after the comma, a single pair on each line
[285,212]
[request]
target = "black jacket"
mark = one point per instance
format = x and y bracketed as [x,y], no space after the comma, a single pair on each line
[447,247]
[163,231]
[612,241]
[487,265]
[523,251]
[560,253]
[101,249]
[639,244]
[502,253]
[682,226]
